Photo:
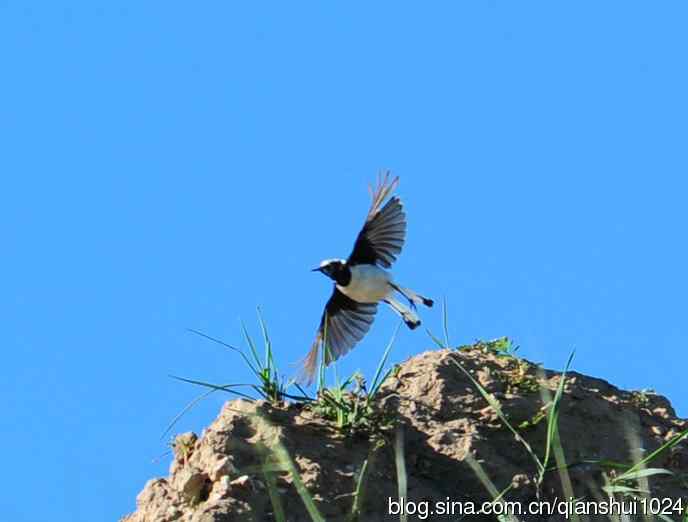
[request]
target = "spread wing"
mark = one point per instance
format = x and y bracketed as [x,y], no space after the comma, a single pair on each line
[384,231]
[343,324]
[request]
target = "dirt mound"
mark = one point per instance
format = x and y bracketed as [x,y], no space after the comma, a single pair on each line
[451,438]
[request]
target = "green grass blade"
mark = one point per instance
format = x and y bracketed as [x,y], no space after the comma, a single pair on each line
[382,380]
[252,347]
[553,416]
[445,322]
[553,442]
[498,409]
[665,447]
[218,387]
[383,360]
[641,473]
[610,490]
[284,459]
[488,484]
[218,341]
[274,495]
[498,498]
[482,475]
[304,395]
[607,464]
[184,410]
[269,362]
[435,339]
[335,373]
[402,480]
[285,462]
[358,492]
[334,402]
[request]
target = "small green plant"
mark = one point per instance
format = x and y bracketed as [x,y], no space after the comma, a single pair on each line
[351,403]
[518,379]
[501,346]
[183,446]
[342,405]
[641,398]
[271,386]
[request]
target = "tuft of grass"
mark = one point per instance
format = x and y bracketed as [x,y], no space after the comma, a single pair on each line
[270,386]
[351,403]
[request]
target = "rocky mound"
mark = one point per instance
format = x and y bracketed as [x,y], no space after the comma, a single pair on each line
[451,438]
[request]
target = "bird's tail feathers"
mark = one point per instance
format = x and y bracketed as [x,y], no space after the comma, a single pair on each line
[310,363]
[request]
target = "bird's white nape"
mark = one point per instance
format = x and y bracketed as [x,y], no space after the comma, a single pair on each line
[326,262]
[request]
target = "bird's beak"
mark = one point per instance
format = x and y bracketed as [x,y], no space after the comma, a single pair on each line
[319,269]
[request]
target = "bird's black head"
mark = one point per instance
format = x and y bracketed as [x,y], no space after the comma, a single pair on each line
[335,269]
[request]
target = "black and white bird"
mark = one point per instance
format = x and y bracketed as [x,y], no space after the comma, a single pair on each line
[361,281]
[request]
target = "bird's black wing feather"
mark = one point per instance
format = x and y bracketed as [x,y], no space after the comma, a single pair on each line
[343,324]
[384,231]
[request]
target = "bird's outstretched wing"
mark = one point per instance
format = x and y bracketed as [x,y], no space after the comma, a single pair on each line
[343,324]
[384,231]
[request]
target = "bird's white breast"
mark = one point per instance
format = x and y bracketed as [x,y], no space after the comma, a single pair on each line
[369,284]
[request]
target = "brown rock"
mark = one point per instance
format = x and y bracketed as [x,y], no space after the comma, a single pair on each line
[447,427]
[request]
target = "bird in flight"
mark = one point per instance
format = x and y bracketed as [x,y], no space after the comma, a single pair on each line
[361,281]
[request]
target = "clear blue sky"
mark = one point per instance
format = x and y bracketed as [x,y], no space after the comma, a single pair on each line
[173,165]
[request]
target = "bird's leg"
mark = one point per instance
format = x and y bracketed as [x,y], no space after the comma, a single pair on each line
[409,316]
[407,296]
[412,297]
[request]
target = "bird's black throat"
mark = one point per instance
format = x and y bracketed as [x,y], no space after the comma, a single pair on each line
[338,272]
